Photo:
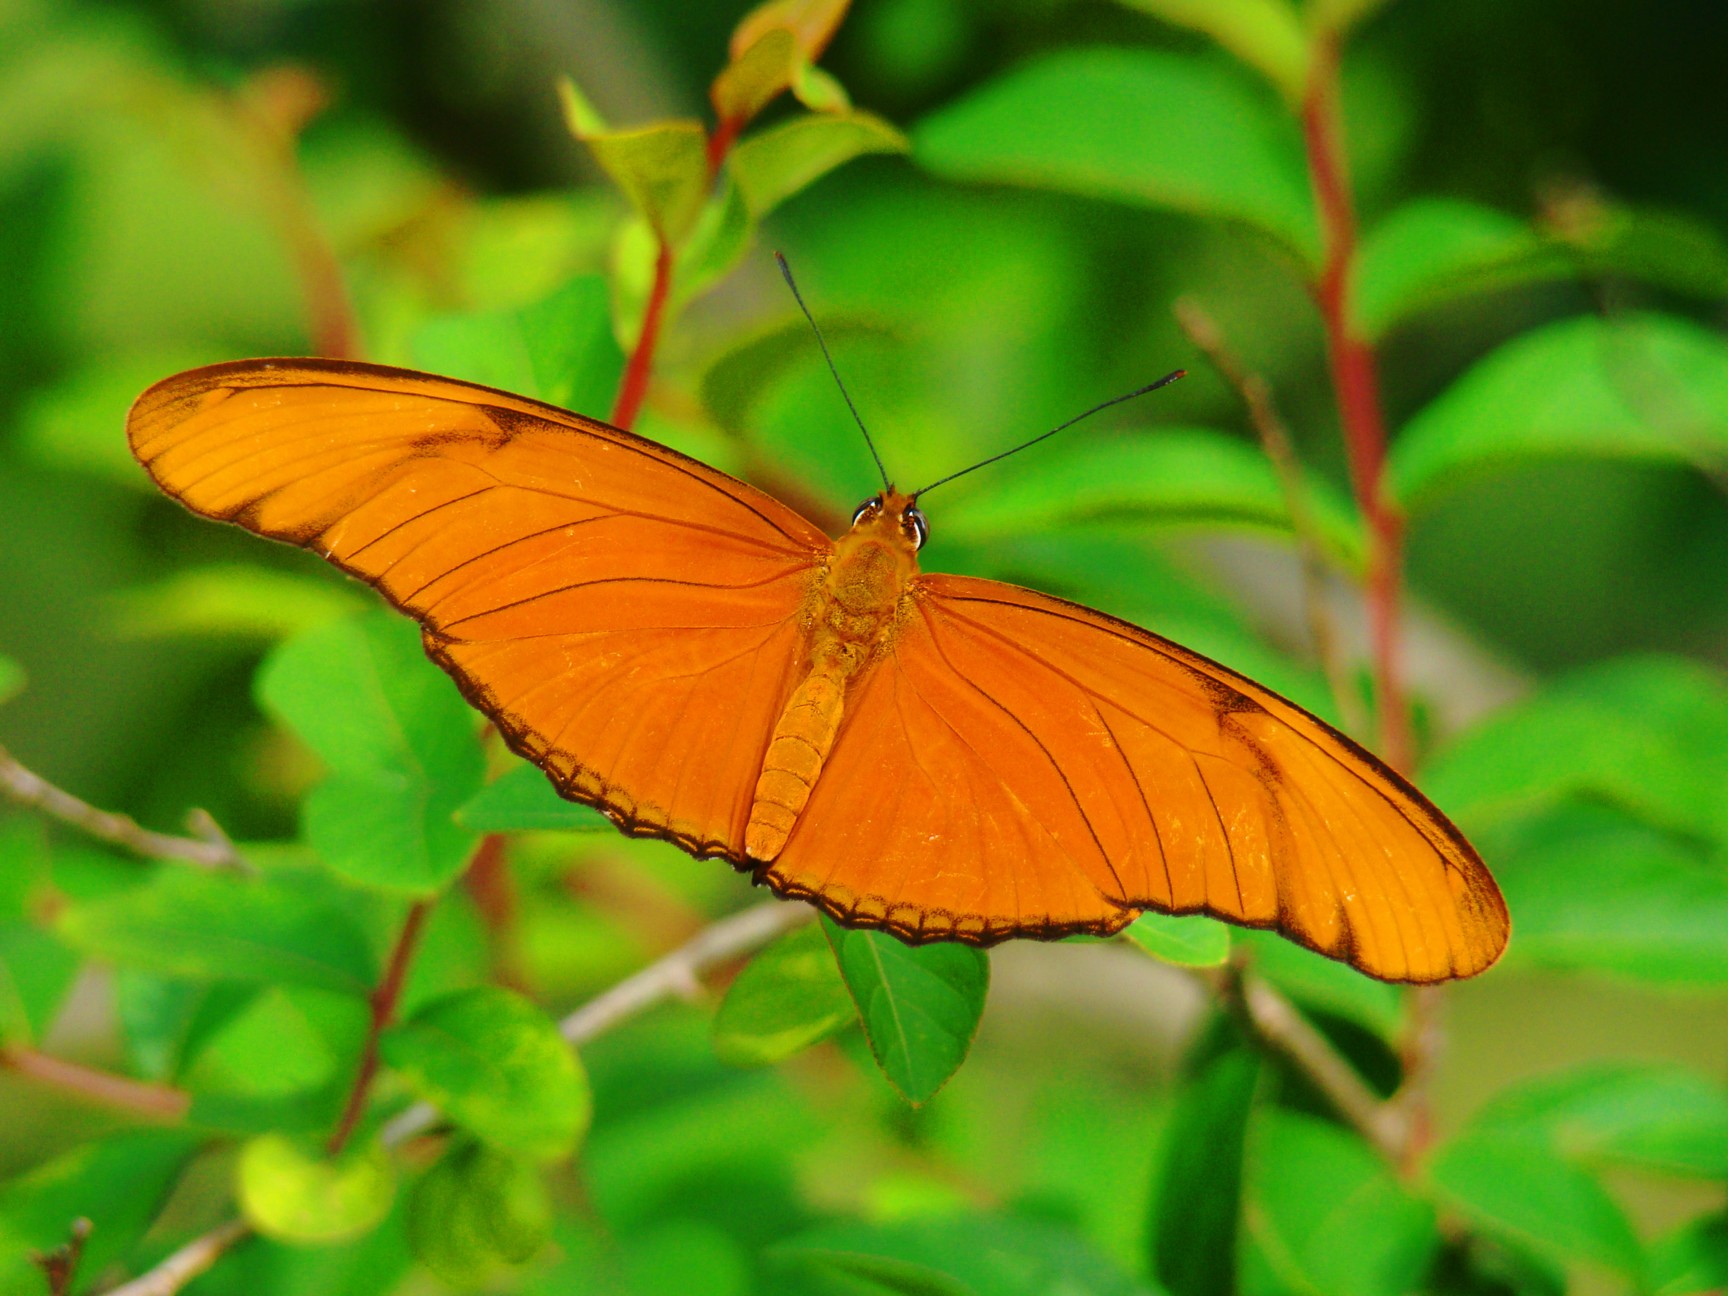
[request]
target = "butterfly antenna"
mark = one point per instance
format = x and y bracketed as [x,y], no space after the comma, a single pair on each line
[1165,381]
[822,342]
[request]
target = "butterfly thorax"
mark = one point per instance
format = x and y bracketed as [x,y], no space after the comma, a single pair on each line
[852,616]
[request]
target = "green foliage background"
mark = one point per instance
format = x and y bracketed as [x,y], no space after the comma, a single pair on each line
[993,241]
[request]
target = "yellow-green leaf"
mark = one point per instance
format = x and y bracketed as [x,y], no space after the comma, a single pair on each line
[1267,35]
[662,168]
[291,1192]
[747,84]
[772,166]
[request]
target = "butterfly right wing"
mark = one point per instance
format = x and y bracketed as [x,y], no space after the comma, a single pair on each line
[628,617]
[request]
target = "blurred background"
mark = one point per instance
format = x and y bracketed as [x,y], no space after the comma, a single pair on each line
[173,175]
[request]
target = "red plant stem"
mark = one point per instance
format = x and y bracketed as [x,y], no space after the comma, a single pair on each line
[1355,378]
[383,1003]
[493,892]
[634,385]
[157,1102]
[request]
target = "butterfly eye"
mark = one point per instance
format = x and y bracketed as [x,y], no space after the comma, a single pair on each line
[867,509]
[916,527]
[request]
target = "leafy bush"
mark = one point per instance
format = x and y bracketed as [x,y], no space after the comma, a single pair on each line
[428,1027]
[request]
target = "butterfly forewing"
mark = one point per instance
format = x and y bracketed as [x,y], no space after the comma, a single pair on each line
[626,615]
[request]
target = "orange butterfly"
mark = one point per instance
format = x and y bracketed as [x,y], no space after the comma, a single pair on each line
[941,757]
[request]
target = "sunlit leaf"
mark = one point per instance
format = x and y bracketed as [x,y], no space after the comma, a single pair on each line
[400,744]
[787,998]
[1329,1215]
[920,1004]
[1640,387]
[1267,35]
[208,926]
[496,1065]
[1653,1117]
[1648,734]
[1596,891]
[776,163]
[284,1061]
[1138,126]
[117,1183]
[1434,249]
[232,600]
[1519,1187]
[1194,1233]
[1192,940]
[662,169]
[478,1213]
[292,1192]
[1168,476]
[560,350]
[12,679]
[522,799]
[963,1254]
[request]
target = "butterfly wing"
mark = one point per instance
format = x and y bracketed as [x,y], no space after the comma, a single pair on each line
[627,616]
[1020,765]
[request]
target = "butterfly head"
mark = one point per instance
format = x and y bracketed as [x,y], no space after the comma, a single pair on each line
[892,515]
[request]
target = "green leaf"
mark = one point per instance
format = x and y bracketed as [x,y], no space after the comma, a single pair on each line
[36,970]
[1435,249]
[560,350]
[1692,1259]
[293,1193]
[1200,1182]
[964,1254]
[1159,130]
[1518,1187]
[1647,734]
[778,162]
[496,1065]
[522,799]
[400,744]
[231,600]
[12,679]
[1189,940]
[1652,1117]
[78,421]
[662,169]
[1267,35]
[1596,891]
[117,1183]
[1338,16]
[1325,984]
[283,1061]
[1329,1216]
[1639,387]
[787,998]
[920,1004]
[478,1213]
[1168,476]
[209,926]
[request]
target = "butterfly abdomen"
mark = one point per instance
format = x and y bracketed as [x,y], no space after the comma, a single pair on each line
[854,608]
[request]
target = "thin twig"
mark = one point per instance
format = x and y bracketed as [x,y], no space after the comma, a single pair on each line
[677,975]
[27,788]
[158,1102]
[1278,1023]
[187,1263]
[60,1266]
[383,1005]
[1274,435]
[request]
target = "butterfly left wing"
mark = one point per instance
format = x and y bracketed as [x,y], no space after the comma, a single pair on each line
[626,615]
[1020,765]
